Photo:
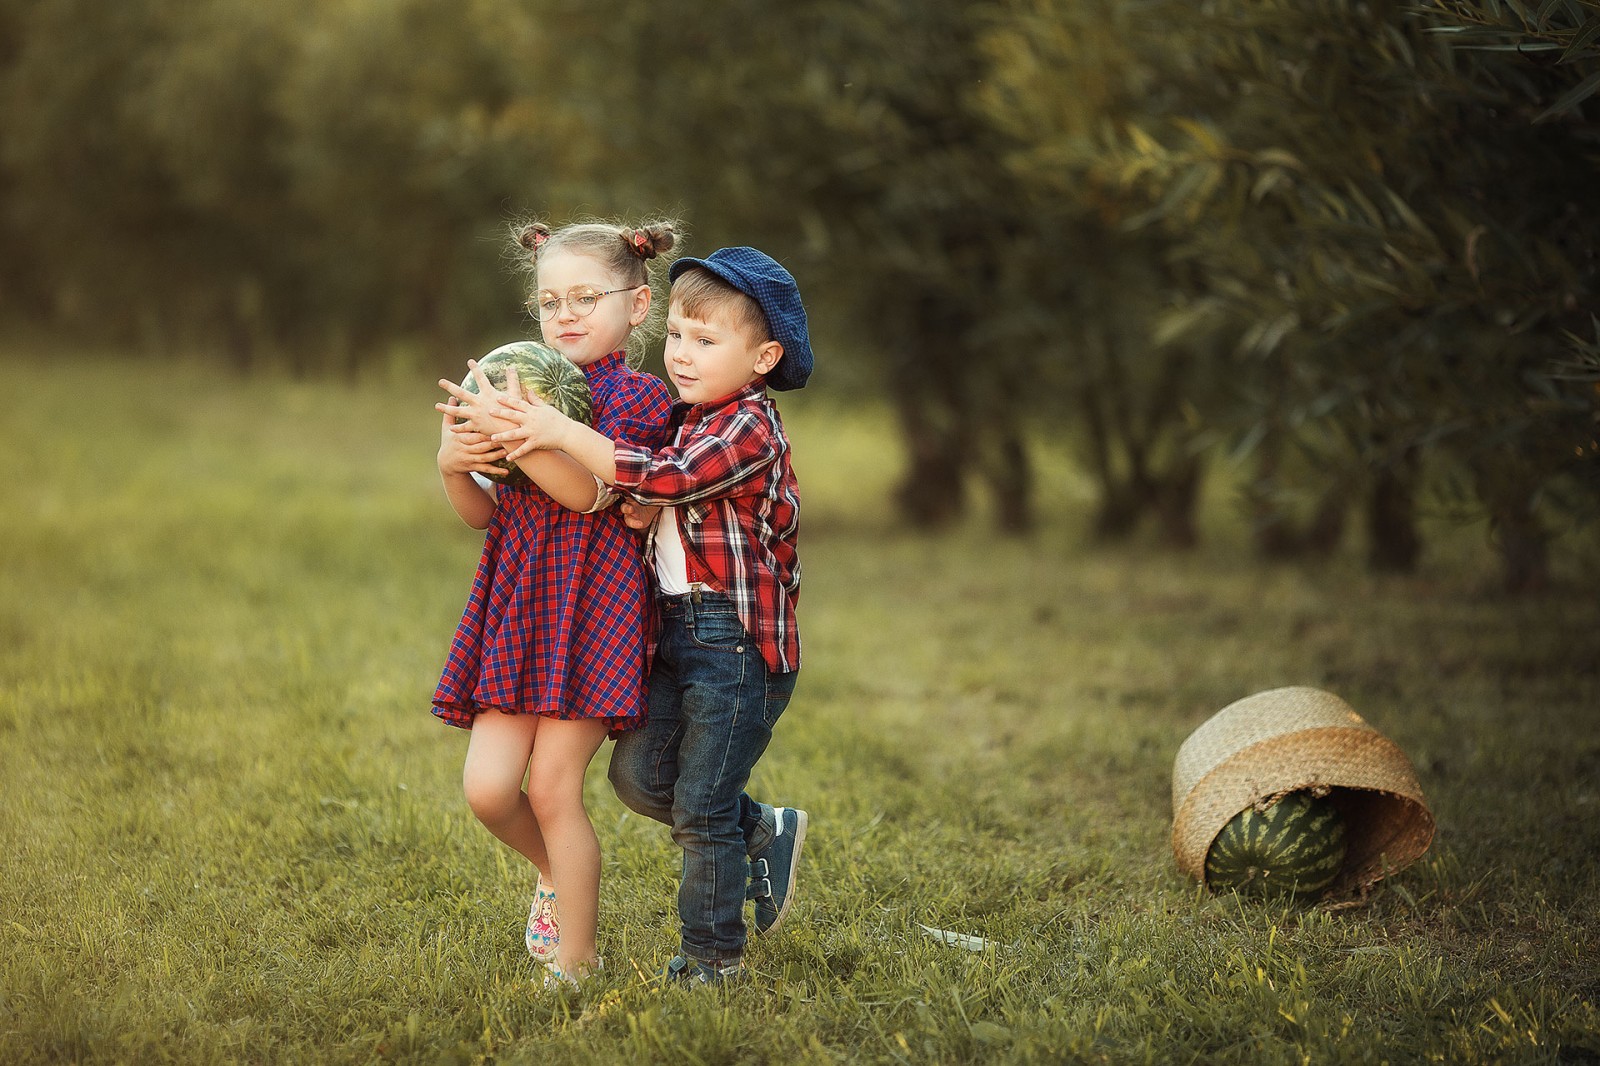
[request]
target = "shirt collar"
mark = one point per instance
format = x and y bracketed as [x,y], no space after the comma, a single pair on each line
[606,364]
[756,390]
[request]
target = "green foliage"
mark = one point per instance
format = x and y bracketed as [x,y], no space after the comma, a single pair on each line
[1112,313]
[1349,239]
[273,175]
[1376,223]
[867,147]
[1564,36]
[234,833]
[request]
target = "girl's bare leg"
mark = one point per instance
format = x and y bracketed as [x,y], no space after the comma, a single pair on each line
[561,753]
[497,761]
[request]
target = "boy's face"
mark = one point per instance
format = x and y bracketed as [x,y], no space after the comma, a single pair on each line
[710,358]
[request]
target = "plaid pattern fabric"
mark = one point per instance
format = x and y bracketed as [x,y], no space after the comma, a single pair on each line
[560,615]
[728,473]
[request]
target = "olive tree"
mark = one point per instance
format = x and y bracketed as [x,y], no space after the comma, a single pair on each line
[1387,240]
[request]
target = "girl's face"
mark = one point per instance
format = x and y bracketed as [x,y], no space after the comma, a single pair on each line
[584,325]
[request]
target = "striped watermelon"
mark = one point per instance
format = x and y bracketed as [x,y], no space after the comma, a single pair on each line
[1296,845]
[543,371]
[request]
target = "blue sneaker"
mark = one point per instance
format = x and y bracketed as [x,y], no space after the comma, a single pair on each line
[772,873]
[693,973]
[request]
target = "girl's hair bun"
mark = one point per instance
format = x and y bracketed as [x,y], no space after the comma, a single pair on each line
[533,235]
[650,240]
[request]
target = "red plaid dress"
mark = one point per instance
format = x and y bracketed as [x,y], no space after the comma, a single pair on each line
[558,621]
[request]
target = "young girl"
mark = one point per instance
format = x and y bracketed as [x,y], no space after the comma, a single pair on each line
[550,655]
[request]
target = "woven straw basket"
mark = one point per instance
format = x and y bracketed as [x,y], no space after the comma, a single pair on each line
[1286,739]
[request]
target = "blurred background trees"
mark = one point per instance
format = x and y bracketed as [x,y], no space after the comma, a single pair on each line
[1350,245]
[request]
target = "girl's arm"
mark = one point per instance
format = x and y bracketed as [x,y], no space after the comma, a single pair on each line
[561,478]
[460,456]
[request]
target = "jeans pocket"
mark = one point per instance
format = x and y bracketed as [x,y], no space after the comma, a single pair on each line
[718,631]
[780,688]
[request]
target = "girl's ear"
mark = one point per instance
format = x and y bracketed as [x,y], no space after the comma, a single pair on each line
[768,357]
[641,306]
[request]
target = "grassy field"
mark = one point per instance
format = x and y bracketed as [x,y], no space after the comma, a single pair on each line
[232,832]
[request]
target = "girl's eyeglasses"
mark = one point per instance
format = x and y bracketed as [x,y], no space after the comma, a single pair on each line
[580,300]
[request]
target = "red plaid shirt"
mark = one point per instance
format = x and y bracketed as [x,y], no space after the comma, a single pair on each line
[727,471]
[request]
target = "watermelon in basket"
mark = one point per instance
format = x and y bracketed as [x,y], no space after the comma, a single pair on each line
[1290,790]
[1294,844]
[544,372]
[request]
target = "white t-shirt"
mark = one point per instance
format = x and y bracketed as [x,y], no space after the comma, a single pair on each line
[672,565]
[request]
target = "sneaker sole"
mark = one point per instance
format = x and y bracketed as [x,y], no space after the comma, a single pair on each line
[802,820]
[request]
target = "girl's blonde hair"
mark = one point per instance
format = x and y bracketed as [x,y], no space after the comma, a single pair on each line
[630,253]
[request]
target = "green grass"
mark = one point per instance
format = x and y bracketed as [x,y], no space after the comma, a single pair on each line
[231,831]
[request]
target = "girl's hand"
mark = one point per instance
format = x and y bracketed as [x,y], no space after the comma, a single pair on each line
[466,452]
[638,515]
[476,408]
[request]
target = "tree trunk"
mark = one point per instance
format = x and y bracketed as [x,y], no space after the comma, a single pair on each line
[1524,546]
[1009,473]
[1395,545]
[1271,529]
[933,491]
[929,389]
[1176,499]
[1116,454]
[1508,490]
[1326,529]
[1116,513]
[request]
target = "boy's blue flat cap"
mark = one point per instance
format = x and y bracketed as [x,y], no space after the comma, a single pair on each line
[760,277]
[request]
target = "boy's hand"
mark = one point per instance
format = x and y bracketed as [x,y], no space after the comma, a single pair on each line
[475,408]
[466,452]
[638,515]
[535,423]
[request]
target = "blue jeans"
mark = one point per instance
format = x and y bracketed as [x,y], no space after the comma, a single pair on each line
[713,703]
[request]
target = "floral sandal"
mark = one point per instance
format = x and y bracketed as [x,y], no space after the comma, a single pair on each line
[555,977]
[543,932]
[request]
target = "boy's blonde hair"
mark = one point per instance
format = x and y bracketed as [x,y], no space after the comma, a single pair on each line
[700,294]
[629,253]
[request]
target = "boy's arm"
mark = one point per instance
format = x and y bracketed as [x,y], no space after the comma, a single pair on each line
[559,476]
[543,429]
[594,451]
[729,463]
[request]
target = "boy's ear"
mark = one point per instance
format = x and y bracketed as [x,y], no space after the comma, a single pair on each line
[641,306]
[768,357]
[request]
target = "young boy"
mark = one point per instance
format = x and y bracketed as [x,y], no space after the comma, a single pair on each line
[723,506]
